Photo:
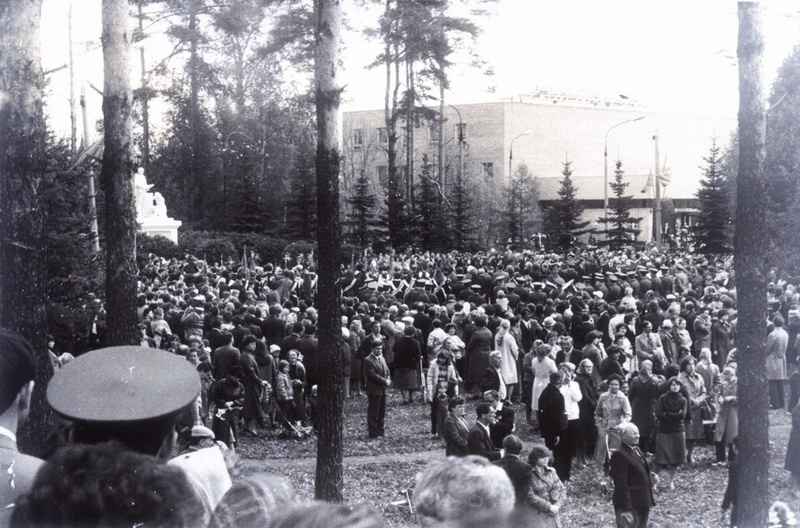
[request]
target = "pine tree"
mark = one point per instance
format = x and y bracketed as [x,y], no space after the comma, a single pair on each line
[712,233]
[563,223]
[620,233]
[361,222]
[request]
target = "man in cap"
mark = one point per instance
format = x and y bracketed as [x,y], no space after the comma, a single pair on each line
[16,386]
[136,396]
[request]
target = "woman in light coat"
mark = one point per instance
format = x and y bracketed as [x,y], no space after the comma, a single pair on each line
[697,395]
[507,346]
[728,416]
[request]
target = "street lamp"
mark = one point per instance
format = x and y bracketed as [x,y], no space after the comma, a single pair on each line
[605,165]
[511,150]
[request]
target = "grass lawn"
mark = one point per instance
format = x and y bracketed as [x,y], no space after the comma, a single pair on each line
[694,503]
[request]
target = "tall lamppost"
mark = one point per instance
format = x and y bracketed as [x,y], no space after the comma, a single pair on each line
[511,150]
[605,166]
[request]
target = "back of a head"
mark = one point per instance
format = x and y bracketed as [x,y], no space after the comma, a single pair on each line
[108,485]
[253,501]
[17,366]
[460,489]
[318,514]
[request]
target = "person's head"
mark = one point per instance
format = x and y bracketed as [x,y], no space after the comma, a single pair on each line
[486,413]
[646,368]
[108,485]
[681,323]
[443,359]
[539,455]
[566,343]
[666,325]
[130,394]
[192,357]
[687,365]
[292,356]
[556,378]
[585,366]
[594,337]
[674,384]
[614,382]
[777,321]
[512,445]
[461,490]
[614,351]
[629,433]
[17,366]
[457,405]
[283,366]
[543,350]
[729,374]
[377,347]
[647,327]
[567,371]
[495,359]
[249,343]
[253,501]
[450,328]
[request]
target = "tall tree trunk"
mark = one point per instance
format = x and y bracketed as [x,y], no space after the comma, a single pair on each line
[22,166]
[750,248]
[329,476]
[145,97]
[117,173]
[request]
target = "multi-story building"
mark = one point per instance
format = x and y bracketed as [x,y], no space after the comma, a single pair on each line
[488,142]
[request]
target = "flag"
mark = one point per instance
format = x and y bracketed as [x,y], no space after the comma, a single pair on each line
[665,176]
[649,185]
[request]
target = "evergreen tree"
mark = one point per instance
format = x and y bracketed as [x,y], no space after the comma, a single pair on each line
[522,215]
[301,209]
[361,222]
[714,217]
[563,223]
[430,225]
[462,228]
[620,232]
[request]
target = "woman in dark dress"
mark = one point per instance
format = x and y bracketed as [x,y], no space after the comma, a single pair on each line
[480,344]
[585,443]
[407,354]
[643,395]
[671,439]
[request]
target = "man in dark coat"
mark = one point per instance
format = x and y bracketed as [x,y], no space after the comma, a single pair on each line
[633,486]
[290,342]
[518,472]
[553,419]
[308,346]
[223,358]
[492,378]
[273,327]
[478,439]
[376,372]
[455,429]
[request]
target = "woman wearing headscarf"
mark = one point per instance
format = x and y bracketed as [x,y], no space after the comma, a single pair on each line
[697,395]
[587,439]
[671,439]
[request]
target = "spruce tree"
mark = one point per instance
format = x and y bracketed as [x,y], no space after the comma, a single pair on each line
[618,224]
[361,222]
[522,215]
[429,221]
[563,223]
[301,208]
[712,231]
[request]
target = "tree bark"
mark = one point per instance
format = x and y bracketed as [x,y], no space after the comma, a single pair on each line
[750,265]
[329,475]
[23,162]
[117,173]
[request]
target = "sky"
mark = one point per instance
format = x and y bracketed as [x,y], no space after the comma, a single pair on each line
[675,56]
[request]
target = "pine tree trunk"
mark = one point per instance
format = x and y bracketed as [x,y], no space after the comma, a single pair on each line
[23,306]
[750,265]
[329,476]
[117,173]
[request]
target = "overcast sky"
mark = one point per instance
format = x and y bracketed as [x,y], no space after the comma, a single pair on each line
[675,55]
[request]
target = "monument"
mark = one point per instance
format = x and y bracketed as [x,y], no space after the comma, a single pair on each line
[151,211]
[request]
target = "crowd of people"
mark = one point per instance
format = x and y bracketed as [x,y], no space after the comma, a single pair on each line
[621,361]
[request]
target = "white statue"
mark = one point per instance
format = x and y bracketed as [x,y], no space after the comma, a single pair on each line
[159,207]
[142,198]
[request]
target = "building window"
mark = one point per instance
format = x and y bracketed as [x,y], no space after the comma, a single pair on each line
[488,170]
[383,176]
[433,133]
[383,136]
[358,138]
[461,132]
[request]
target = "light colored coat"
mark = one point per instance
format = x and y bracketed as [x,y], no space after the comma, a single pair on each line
[777,343]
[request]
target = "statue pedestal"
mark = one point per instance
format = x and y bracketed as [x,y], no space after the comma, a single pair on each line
[160,226]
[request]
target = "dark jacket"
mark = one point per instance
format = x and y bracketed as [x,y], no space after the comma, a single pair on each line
[376,376]
[455,436]
[552,412]
[633,487]
[519,473]
[479,443]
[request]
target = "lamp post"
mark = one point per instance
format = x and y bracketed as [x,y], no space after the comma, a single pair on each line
[605,166]
[511,150]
